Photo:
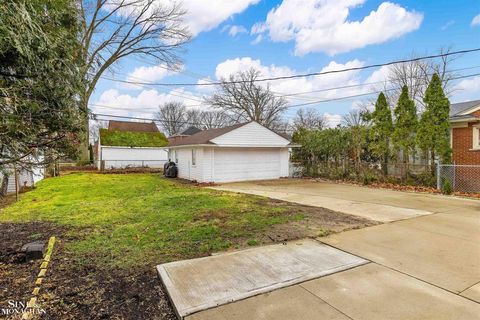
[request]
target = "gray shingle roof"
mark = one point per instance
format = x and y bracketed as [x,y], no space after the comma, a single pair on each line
[190,130]
[456,108]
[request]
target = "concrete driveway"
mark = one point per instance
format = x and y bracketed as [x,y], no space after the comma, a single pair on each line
[423,265]
[376,204]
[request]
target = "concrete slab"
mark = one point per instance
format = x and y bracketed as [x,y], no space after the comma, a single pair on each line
[373,211]
[472,293]
[374,292]
[425,201]
[442,249]
[288,303]
[199,284]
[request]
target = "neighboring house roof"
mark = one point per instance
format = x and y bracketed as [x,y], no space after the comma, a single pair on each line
[132,126]
[117,138]
[190,131]
[456,109]
[204,137]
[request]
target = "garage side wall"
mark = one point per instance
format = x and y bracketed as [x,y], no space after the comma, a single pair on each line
[188,170]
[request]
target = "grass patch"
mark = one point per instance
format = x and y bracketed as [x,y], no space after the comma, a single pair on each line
[132,139]
[143,219]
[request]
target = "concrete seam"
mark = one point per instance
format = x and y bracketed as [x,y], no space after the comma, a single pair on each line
[346,315]
[468,288]
[425,281]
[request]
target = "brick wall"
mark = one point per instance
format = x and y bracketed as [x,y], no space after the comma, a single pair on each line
[462,139]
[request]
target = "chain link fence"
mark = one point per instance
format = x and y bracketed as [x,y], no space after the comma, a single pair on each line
[461,178]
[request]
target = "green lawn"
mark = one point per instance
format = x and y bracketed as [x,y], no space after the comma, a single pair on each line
[126,220]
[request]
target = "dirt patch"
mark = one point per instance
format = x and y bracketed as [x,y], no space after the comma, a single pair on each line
[89,292]
[74,291]
[17,276]
[316,222]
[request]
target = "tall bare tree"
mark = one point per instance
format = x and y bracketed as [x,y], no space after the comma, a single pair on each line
[216,119]
[309,118]
[115,29]
[354,118]
[416,76]
[242,96]
[172,117]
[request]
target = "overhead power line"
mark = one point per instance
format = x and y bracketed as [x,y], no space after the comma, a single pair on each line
[369,93]
[327,100]
[304,74]
[143,119]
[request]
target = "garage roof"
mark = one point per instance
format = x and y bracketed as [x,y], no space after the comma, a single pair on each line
[204,137]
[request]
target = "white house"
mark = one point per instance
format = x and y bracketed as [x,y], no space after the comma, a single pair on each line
[26,177]
[131,144]
[247,151]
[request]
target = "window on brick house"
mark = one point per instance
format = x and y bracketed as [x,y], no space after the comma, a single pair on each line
[476,137]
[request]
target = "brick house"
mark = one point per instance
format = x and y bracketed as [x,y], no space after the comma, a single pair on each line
[465,132]
[465,143]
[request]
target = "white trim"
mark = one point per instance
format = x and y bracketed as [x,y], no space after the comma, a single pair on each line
[459,125]
[189,146]
[232,146]
[463,120]
[124,147]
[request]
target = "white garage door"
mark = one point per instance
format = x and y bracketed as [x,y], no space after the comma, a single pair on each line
[237,164]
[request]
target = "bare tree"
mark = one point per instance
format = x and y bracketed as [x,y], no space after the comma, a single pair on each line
[216,119]
[115,29]
[194,117]
[416,75]
[172,117]
[309,118]
[354,118]
[242,96]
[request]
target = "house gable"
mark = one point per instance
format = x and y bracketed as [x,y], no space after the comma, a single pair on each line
[251,134]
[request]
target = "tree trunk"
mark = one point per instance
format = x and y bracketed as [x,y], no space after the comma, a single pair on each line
[83,148]
[432,162]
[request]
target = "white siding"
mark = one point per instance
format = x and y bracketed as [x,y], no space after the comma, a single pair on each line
[120,157]
[186,169]
[25,178]
[208,163]
[251,134]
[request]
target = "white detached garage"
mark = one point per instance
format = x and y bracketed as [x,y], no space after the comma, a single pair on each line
[247,151]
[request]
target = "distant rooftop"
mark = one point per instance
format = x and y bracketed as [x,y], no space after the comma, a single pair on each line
[132,126]
[190,131]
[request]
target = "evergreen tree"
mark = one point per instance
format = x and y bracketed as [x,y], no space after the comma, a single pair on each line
[39,81]
[382,127]
[433,131]
[403,137]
